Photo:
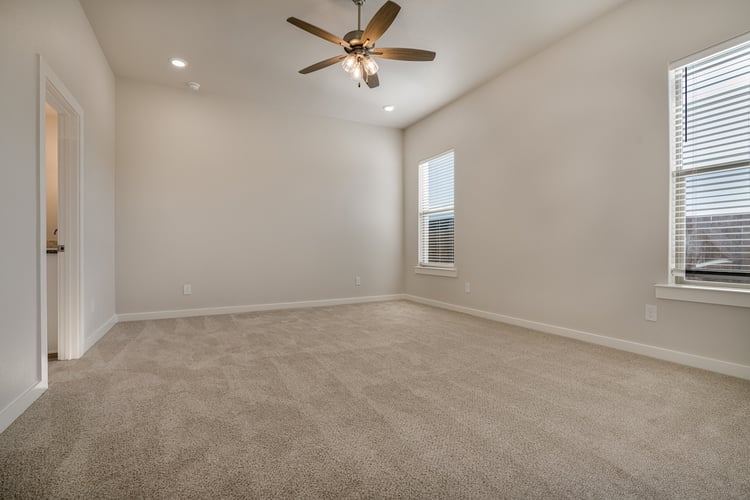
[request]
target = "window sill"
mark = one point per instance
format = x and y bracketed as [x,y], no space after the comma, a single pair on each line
[448,272]
[704,294]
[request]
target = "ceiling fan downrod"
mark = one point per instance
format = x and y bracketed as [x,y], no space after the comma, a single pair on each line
[359,4]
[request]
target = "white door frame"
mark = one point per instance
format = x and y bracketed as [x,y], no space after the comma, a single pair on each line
[53,91]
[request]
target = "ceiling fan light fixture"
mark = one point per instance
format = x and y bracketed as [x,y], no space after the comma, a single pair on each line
[359,45]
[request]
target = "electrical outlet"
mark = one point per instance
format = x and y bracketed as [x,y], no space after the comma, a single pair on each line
[467,287]
[187,289]
[650,312]
[357,281]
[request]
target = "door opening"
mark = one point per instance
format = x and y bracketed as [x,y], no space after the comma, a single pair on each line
[65,234]
[52,189]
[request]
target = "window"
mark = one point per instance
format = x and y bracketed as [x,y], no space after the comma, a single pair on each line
[711,167]
[436,213]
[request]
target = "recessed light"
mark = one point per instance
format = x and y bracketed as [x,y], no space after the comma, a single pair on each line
[195,86]
[389,108]
[178,63]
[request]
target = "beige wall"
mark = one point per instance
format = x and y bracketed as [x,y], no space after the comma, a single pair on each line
[51,160]
[248,204]
[60,32]
[562,183]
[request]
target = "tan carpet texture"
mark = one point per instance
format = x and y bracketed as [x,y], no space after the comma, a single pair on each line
[383,400]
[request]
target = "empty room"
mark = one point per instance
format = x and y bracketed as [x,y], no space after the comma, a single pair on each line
[375,249]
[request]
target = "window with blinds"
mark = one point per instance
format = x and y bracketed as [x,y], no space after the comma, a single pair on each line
[436,212]
[711,167]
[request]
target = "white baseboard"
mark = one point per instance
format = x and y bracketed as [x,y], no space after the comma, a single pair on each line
[100,332]
[683,358]
[20,404]
[214,311]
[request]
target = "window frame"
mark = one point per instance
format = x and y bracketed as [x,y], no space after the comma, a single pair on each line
[680,287]
[434,268]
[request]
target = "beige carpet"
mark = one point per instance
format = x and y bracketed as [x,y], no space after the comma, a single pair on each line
[386,400]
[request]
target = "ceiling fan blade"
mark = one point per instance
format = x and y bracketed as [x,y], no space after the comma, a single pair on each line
[373,81]
[318,32]
[380,22]
[322,64]
[404,54]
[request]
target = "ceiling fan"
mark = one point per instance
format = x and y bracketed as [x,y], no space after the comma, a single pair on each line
[359,60]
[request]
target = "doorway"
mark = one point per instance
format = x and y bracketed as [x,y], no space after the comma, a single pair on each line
[64,235]
[51,164]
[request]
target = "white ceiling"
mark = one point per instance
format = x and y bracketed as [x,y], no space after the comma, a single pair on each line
[246,49]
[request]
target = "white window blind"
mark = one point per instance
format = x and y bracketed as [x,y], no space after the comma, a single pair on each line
[711,167]
[436,212]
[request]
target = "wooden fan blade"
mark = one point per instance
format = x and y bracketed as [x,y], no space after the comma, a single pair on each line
[379,23]
[404,54]
[318,32]
[322,64]
[373,81]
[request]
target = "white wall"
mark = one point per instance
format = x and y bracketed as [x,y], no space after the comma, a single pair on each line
[562,183]
[60,32]
[250,205]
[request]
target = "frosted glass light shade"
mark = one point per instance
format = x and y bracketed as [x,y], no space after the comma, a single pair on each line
[371,67]
[349,63]
[357,72]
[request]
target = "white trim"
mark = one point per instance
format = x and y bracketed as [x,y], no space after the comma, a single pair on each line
[70,281]
[450,272]
[671,264]
[683,358]
[41,222]
[19,405]
[708,295]
[99,333]
[214,311]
